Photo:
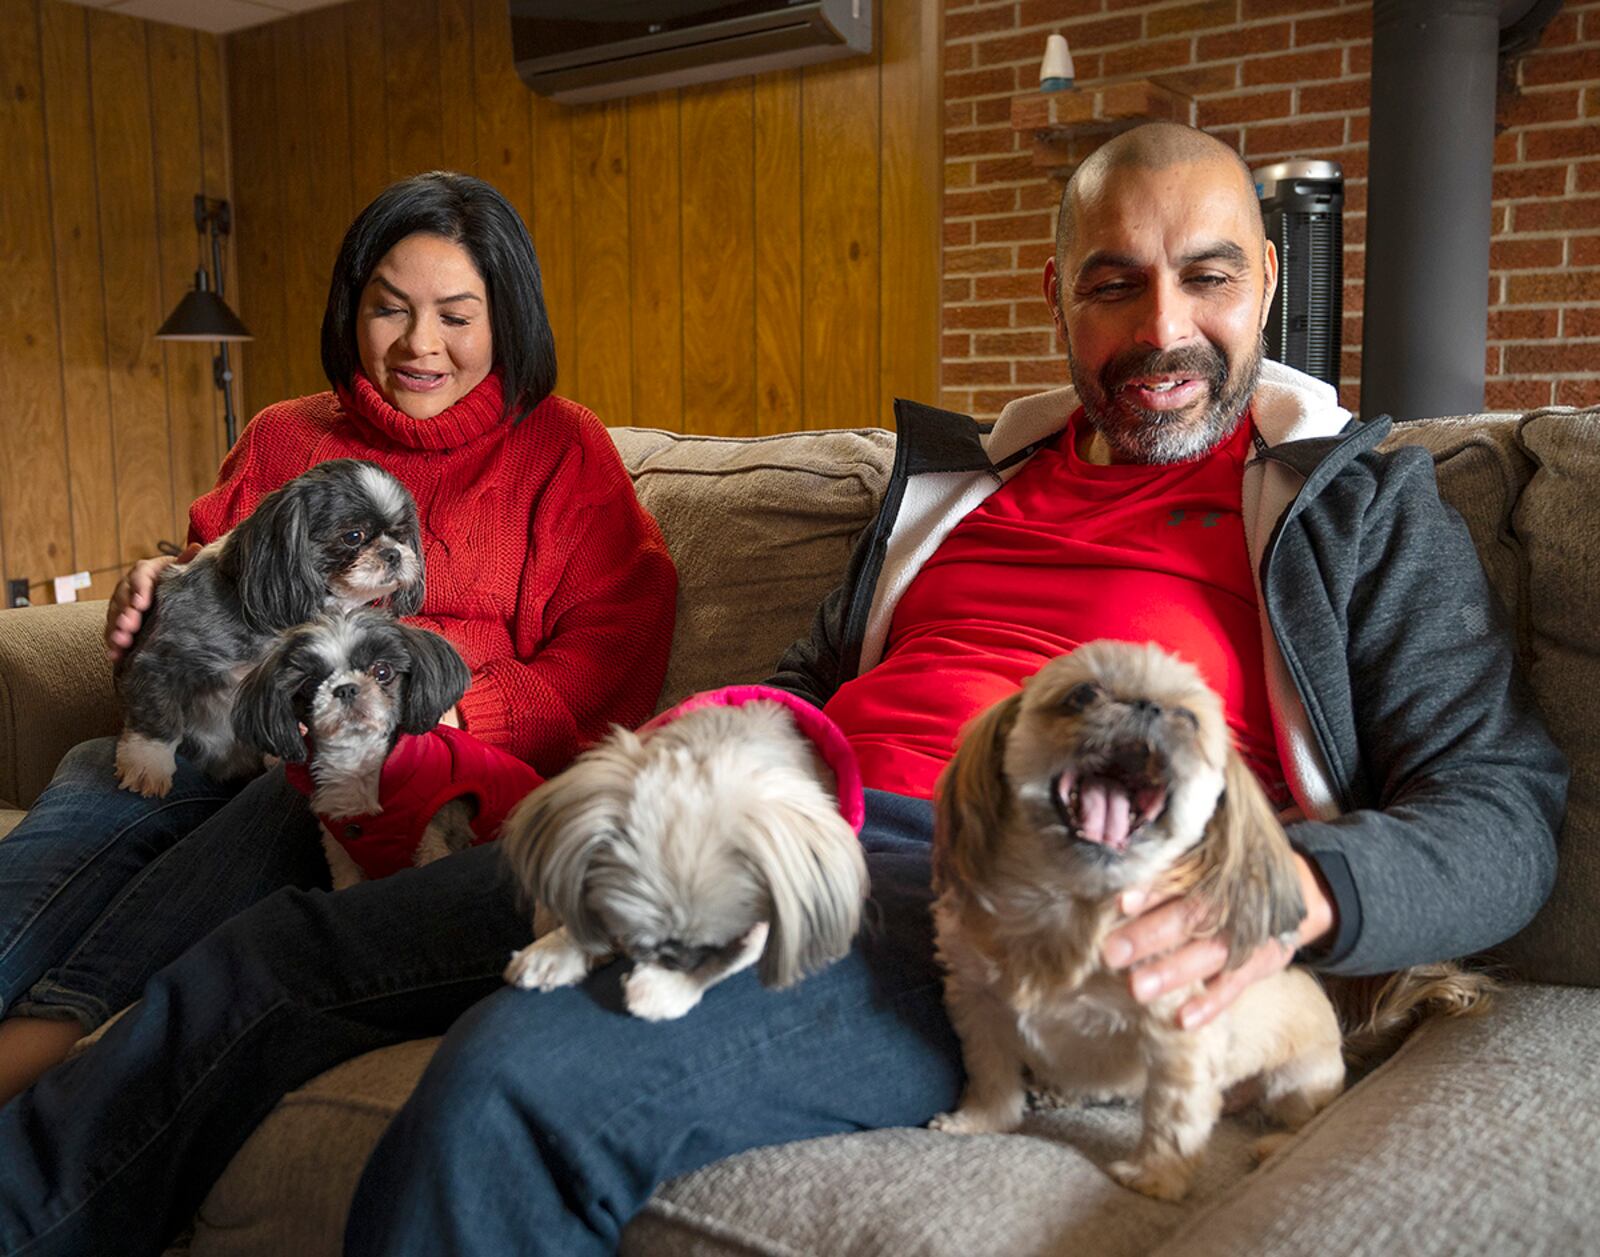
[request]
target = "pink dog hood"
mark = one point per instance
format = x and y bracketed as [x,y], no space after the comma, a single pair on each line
[830,742]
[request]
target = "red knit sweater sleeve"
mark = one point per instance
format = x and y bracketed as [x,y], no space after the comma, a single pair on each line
[595,652]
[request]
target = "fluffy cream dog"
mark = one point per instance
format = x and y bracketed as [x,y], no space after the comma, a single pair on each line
[716,839]
[1113,768]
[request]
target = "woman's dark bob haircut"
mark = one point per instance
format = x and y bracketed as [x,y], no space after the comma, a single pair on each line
[468,212]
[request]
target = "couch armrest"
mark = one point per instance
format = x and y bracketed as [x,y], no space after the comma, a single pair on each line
[55,691]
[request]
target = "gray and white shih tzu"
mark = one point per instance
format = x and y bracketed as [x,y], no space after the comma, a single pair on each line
[722,835]
[339,536]
[333,698]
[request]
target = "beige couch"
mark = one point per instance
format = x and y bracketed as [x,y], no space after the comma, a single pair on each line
[1478,1137]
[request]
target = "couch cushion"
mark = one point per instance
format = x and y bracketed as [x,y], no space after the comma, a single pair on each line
[761,528]
[1044,1190]
[1481,467]
[1558,522]
[289,1187]
[55,691]
[1477,1137]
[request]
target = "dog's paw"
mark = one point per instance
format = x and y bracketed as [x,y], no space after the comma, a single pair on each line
[145,766]
[1158,1179]
[657,994]
[545,966]
[1270,1145]
[972,1121]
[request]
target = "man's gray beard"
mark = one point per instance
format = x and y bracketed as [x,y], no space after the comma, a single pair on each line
[1160,437]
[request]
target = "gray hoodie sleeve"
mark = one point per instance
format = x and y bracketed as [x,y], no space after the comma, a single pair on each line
[1455,787]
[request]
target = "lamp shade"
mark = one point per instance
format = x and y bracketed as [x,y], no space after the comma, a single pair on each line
[202,316]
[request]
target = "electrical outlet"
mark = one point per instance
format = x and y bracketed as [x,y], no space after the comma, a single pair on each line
[17,592]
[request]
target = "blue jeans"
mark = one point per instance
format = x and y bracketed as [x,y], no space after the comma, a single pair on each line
[545,1120]
[101,887]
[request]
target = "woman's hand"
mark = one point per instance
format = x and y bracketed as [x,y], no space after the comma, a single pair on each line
[1159,949]
[132,598]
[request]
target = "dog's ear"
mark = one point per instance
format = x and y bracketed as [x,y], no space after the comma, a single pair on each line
[1245,870]
[272,561]
[973,800]
[437,680]
[550,839]
[263,710]
[408,600]
[810,864]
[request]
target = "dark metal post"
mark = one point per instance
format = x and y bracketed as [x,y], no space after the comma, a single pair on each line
[1430,162]
[220,367]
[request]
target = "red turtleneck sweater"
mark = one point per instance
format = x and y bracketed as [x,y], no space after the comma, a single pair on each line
[542,568]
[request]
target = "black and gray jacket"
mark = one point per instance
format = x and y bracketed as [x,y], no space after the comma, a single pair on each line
[1404,730]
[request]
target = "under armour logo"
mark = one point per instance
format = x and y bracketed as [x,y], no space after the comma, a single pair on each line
[1210,520]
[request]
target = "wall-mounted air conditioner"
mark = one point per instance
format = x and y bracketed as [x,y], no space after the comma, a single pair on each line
[574,51]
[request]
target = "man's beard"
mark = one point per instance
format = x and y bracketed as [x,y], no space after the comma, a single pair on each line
[1163,436]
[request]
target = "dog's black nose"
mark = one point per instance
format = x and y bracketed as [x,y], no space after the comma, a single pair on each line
[346,693]
[391,556]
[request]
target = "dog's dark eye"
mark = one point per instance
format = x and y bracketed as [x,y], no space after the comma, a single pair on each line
[1079,697]
[1183,713]
[354,538]
[382,673]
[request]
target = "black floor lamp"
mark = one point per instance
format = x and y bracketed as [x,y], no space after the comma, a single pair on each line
[203,315]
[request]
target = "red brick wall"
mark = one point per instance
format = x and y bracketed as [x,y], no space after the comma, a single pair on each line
[1274,78]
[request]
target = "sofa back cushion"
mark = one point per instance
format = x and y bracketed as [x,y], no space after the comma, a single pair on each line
[1526,485]
[1557,520]
[761,529]
[1482,469]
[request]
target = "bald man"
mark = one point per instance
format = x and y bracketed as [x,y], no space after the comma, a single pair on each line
[1182,491]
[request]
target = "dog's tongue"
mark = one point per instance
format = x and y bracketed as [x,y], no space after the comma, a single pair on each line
[1105,813]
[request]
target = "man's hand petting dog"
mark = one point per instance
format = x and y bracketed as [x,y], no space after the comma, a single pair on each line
[1161,951]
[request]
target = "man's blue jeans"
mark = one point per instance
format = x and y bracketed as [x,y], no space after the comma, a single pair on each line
[545,1121]
[101,887]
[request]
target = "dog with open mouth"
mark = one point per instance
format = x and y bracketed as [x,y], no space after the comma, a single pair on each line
[1113,768]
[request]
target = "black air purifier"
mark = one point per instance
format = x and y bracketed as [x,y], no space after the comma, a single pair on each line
[1302,208]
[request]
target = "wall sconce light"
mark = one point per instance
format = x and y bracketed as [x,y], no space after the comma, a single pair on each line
[203,315]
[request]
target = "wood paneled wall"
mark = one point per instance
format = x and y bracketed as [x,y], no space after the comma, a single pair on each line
[112,126]
[751,256]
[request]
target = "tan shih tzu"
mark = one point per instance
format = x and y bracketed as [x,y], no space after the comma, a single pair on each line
[1113,768]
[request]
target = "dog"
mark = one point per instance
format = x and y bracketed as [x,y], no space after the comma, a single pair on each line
[1112,768]
[722,835]
[341,535]
[351,702]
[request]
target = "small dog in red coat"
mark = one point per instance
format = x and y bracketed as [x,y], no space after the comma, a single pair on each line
[352,703]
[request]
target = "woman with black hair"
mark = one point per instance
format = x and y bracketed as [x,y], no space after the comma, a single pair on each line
[542,570]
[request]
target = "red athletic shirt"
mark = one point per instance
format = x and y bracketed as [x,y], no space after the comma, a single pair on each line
[1063,553]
